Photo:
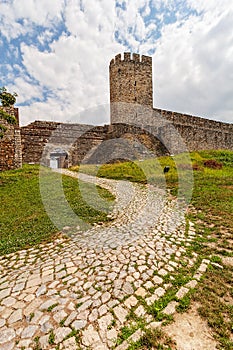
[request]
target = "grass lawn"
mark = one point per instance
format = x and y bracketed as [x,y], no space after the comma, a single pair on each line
[23,219]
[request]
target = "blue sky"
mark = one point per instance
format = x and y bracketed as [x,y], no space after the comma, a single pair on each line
[55,55]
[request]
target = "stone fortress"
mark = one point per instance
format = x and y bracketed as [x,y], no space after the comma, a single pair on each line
[136,129]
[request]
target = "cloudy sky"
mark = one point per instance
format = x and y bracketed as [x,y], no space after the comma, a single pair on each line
[55,54]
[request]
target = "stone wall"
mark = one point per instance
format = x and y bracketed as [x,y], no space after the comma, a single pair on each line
[180,132]
[110,143]
[34,137]
[87,143]
[12,111]
[10,144]
[131,102]
[197,133]
[137,130]
[159,132]
[40,138]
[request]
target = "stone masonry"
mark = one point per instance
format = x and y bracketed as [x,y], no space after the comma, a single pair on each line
[146,131]
[131,101]
[130,84]
[149,131]
[87,143]
[10,144]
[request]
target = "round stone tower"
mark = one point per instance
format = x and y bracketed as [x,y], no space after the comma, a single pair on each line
[130,86]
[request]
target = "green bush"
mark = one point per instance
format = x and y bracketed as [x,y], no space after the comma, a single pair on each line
[7,99]
[2,130]
[9,118]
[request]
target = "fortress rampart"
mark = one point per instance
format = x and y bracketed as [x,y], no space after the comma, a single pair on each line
[146,131]
[159,137]
[131,102]
[198,133]
[87,143]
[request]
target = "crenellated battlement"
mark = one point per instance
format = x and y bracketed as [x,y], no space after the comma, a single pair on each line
[130,81]
[131,57]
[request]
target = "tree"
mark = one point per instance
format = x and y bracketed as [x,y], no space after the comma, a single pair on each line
[7,99]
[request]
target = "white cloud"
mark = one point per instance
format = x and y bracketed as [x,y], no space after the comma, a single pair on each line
[42,111]
[22,17]
[193,62]
[193,66]
[10,28]
[41,12]
[28,91]
[211,5]
[45,37]
[75,68]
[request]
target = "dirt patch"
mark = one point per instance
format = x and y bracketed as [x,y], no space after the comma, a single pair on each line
[190,332]
[228,187]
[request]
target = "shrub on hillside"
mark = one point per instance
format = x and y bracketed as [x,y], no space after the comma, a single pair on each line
[213,164]
[197,167]
[9,118]
[3,129]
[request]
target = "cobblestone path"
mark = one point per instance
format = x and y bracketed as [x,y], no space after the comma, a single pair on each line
[78,292]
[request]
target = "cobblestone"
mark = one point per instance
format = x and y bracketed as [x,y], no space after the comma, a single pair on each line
[61,333]
[6,335]
[182,292]
[170,308]
[90,280]
[15,316]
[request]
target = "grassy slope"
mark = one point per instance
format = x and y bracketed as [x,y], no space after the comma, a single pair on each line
[23,219]
[213,188]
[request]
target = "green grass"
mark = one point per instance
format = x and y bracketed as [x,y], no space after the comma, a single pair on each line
[51,339]
[149,171]
[146,171]
[213,206]
[126,332]
[153,339]
[213,192]
[50,308]
[23,219]
[215,296]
